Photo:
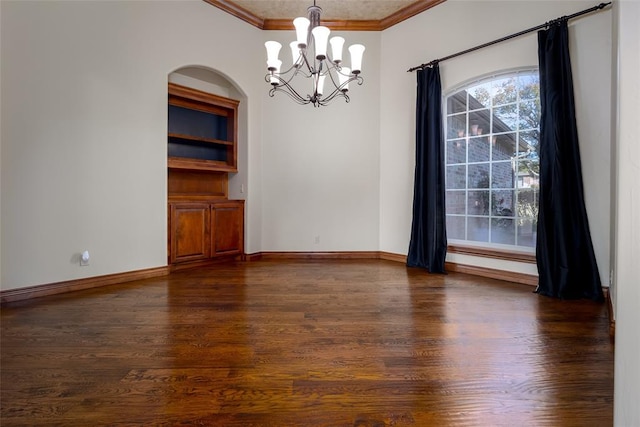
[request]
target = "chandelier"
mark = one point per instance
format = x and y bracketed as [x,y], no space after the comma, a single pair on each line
[325,76]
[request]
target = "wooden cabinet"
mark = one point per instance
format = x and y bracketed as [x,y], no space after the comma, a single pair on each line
[204,225]
[205,231]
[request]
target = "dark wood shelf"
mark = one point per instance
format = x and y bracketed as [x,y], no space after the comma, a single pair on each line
[195,138]
[197,164]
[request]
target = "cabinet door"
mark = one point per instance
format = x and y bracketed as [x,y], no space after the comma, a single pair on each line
[189,232]
[227,220]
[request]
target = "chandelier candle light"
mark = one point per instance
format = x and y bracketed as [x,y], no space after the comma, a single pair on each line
[320,69]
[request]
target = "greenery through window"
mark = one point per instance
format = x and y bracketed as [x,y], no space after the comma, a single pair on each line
[492,164]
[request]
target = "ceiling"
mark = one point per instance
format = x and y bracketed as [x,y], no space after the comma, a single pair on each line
[354,15]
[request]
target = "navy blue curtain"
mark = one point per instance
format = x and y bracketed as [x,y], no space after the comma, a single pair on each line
[566,262]
[428,245]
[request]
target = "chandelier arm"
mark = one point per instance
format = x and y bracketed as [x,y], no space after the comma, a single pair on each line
[290,69]
[286,79]
[303,73]
[336,93]
[294,72]
[285,87]
[351,78]
[333,80]
[311,69]
[332,96]
[292,92]
[296,97]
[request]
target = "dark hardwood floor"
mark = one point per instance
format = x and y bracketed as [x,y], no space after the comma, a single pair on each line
[307,343]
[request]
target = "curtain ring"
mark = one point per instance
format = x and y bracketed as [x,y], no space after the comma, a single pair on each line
[556,21]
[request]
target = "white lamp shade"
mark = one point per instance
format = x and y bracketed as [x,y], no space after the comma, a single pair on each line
[295,52]
[274,80]
[356,51]
[302,30]
[336,48]
[343,77]
[273,49]
[321,37]
[321,85]
[273,65]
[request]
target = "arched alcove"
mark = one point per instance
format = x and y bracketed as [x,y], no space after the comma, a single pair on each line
[214,82]
[207,162]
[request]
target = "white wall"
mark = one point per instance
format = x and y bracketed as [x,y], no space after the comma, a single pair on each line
[321,165]
[627,286]
[84,128]
[457,25]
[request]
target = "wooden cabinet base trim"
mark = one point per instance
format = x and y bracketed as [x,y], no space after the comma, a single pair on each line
[21,294]
[205,263]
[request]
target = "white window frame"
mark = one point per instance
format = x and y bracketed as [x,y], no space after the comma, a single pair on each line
[486,248]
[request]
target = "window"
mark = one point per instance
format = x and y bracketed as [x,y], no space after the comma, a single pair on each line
[492,165]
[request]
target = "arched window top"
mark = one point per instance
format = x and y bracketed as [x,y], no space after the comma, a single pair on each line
[492,81]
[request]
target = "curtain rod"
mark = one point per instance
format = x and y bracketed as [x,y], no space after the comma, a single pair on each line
[530,30]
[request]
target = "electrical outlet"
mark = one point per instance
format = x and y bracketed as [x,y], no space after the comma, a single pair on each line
[317,240]
[84,258]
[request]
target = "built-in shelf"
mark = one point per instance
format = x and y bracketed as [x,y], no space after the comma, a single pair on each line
[204,225]
[197,164]
[203,128]
[195,138]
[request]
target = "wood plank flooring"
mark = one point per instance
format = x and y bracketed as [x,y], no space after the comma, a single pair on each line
[306,343]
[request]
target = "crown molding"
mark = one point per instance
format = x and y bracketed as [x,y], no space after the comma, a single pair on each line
[408,12]
[334,24]
[238,12]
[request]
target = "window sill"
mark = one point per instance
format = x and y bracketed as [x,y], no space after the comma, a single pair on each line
[492,253]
